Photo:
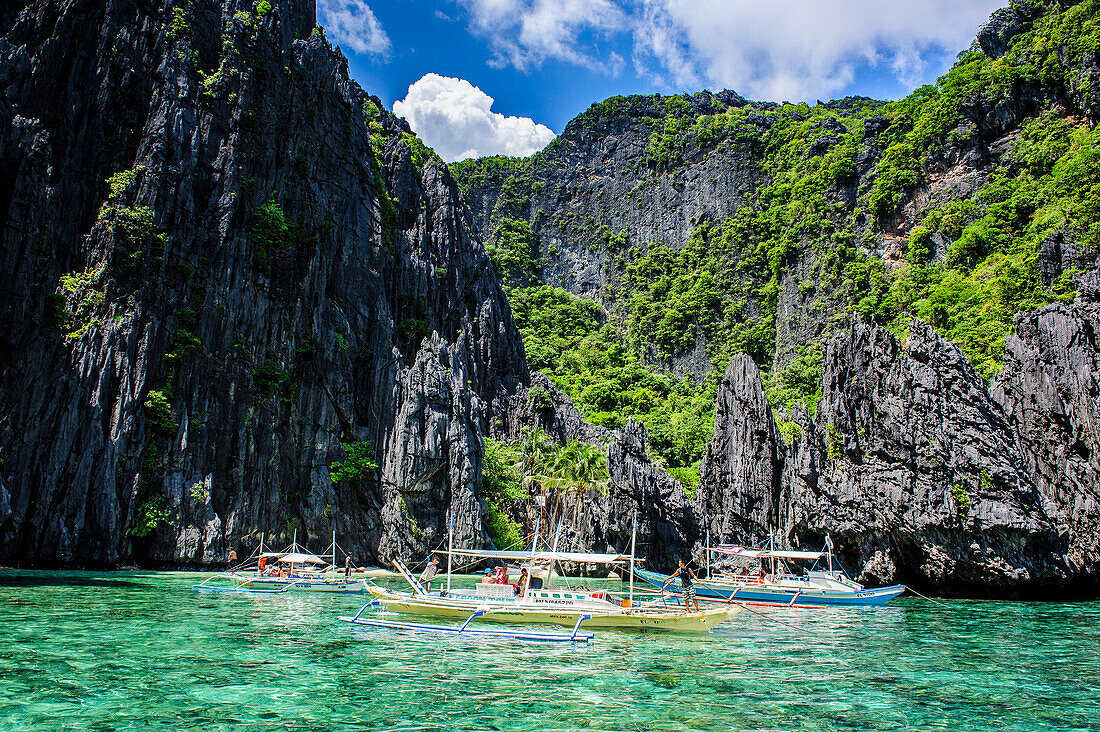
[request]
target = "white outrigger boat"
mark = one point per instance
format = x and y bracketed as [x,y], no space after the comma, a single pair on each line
[827,586]
[293,570]
[568,606]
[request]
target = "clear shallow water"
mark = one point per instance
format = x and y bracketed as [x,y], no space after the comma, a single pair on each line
[103,651]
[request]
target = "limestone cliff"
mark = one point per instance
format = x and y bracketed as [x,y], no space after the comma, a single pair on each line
[1050,394]
[909,465]
[226,270]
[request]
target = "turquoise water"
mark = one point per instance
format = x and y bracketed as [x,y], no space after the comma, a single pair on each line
[106,651]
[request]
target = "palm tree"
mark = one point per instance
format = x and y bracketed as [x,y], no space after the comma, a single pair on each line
[534,447]
[576,468]
[534,451]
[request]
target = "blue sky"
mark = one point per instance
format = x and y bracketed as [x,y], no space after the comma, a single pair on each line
[544,61]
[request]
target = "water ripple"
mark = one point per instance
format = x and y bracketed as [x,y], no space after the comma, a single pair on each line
[107,651]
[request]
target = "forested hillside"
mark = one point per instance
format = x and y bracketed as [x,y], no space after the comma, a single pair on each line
[659,236]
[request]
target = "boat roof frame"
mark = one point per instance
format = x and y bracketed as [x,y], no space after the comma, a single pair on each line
[742,552]
[536,556]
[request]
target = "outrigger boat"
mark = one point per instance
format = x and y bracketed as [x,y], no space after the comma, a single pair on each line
[500,603]
[817,587]
[294,569]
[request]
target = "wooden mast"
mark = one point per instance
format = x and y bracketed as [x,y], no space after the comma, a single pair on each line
[450,545]
[633,539]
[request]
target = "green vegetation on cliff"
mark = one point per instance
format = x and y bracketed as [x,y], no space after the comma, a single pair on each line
[569,339]
[535,464]
[358,463]
[937,207]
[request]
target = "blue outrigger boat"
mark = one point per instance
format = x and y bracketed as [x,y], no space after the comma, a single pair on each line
[815,588]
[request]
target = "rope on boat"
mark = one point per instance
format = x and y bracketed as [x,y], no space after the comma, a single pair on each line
[926,597]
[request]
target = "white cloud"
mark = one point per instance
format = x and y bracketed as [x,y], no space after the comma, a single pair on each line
[456,119]
[785,49]
[527,32]
[352,24]
[798,49]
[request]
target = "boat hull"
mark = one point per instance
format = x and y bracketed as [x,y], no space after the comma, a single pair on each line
[500,612]
[780,596]
[292,584]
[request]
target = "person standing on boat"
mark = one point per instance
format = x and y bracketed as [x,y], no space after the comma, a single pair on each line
[429,573]
[521,584]
[687,582]
[347,567]
[232,558]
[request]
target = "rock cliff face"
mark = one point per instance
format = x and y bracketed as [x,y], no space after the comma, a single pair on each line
[260,287]
[909,465]
[1050,394]
[598,170]
[741,469]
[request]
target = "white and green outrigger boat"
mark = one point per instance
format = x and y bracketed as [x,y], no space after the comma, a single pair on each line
[295,569]
[538,604]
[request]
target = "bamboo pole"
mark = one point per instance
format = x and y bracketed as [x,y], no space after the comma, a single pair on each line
[633,540]
[450,546]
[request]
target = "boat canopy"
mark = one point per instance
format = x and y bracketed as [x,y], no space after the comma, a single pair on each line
[579,557]
[298,558]
[734,550]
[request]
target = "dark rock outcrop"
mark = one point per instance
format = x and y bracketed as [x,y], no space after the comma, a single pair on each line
[1050,393]
[742,468]
[908,465]
[186,350]
[918,454]
[996,36]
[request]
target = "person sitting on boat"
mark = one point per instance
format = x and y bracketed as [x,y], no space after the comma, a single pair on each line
[489,579]
[263,563]
[429,573]
[763,577]
[521,583]
[687,582]
[502,575]
[536,581]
